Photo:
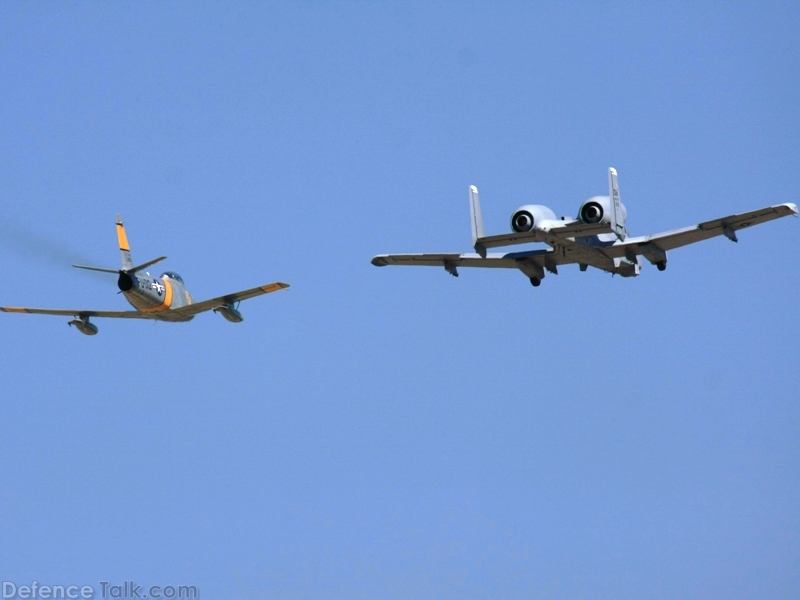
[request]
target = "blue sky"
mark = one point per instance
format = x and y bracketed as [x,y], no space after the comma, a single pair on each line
[396,432]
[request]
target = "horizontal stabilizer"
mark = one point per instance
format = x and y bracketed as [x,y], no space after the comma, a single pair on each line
[570,230]
[145,265]
[101,269]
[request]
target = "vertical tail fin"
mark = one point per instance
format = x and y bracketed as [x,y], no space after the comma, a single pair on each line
[617,210]
[476,219]
[124,248]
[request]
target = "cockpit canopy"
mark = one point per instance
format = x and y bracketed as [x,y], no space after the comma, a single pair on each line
[172,275]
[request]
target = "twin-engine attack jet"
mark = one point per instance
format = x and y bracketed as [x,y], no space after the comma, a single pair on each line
[163,298]
[597,238]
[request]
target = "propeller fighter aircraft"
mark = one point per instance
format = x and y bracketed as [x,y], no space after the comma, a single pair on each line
[163,298]
[597,238]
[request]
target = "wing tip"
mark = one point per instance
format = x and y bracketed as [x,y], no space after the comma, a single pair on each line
[274,287]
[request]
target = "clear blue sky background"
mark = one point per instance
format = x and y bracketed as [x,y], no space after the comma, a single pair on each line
[396,432]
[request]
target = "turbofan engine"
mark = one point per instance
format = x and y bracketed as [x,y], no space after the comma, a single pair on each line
[526,217]
[597,209]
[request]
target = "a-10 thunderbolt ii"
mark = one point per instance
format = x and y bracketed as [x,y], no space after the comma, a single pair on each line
[163,298]
[597,238]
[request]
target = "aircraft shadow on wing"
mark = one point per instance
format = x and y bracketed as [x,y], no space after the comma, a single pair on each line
[163,298]
[597,238]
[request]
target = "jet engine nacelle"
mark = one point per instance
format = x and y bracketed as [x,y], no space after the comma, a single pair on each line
[597,209]
[229,312]
[525,218]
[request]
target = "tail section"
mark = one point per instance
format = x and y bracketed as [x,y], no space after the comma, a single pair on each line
[125,251]
[618,213]
[476,219]
[124,248]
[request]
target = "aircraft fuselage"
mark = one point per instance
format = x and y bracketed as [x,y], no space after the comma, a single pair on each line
[155,294]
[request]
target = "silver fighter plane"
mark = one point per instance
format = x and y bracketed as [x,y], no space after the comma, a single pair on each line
[164,298]
[596,238]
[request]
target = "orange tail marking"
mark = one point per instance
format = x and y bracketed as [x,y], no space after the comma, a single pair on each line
[122,237]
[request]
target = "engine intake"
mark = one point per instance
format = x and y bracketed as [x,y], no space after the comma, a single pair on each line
[598,209]
[592,212]
[522,221]
[525,218]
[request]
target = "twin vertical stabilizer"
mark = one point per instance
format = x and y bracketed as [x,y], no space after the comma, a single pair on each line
[476,219]
[617,212]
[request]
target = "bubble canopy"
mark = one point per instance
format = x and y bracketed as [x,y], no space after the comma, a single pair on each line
[172,275]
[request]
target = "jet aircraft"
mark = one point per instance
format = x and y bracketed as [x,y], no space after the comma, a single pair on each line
[597,238]
[163,298]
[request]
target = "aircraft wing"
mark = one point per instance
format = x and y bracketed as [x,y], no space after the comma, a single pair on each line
[689,235]
[198,307]
[497,261]
[569,230]
[191,309]
[116,314]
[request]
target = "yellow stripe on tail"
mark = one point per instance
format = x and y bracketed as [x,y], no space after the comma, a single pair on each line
[124,248]
[123,239]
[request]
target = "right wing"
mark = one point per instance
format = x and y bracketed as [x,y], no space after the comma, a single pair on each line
[198,307]
[689,235]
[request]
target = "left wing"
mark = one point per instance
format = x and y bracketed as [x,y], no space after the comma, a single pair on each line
[497,261]
[65,312]
[198,307]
